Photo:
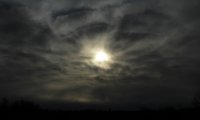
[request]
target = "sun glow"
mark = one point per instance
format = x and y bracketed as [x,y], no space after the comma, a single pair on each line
[96,52]
[101,57]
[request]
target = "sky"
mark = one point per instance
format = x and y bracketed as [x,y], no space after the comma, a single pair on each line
[47,49]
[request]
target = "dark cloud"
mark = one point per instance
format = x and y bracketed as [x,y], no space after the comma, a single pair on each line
[46,48]
[22,41]
[18,29]
[73,14]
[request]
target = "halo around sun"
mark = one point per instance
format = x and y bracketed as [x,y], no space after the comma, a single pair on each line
[97,52]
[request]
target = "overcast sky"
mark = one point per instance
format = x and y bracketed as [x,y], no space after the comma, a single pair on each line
[46,50]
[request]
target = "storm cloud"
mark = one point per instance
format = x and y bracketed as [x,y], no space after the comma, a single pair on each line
[45,51]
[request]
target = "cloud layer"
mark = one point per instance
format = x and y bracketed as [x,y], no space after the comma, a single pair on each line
[45,50]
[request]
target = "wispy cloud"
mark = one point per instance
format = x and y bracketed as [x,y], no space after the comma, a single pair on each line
[46,50]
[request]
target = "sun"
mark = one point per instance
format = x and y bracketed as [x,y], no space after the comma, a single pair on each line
[101,57]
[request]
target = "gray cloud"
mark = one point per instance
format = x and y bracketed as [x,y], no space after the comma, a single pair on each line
[45,51]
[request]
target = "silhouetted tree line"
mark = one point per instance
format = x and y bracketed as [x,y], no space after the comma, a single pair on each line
[18,105]
[28,106]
